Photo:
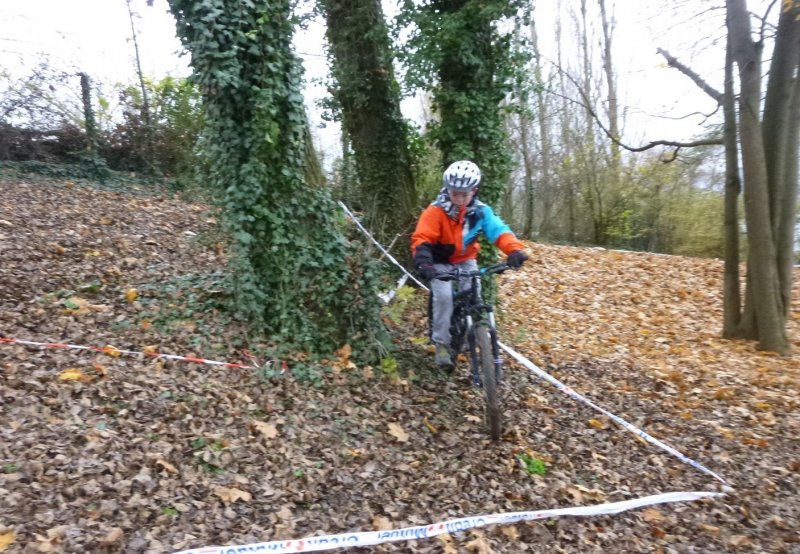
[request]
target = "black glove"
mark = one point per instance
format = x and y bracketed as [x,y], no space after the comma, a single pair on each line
[426,271]
[516,259]
[423,262]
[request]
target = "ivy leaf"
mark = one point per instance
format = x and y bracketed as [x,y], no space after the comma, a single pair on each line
[244,237]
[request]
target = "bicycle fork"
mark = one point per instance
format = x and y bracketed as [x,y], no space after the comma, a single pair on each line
[473,353]
[498,361]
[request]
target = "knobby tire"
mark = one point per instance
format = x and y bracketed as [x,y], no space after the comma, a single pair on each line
[488,377]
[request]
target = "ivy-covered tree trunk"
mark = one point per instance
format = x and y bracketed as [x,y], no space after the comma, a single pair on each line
[369,98]
[458,52]
[291,269]
[473,71]
[92,160]
[88,115]
[312,168]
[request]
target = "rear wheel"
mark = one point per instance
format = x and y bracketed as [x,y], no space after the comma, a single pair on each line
[489,381]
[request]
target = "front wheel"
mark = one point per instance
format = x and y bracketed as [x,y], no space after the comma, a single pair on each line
[489,380]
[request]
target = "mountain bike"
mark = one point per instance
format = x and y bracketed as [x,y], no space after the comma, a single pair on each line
[473,330]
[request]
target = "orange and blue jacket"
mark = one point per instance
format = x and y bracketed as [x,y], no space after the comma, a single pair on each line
[446,234]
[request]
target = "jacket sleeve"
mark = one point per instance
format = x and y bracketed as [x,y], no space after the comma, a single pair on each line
[425,236]
[499,233]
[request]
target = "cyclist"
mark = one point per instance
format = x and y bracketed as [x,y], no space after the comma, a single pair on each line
[446,237]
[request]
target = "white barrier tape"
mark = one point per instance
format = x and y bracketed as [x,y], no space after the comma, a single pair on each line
[371,538]
[633,429]
[382,249]
[116,352]
[386,297]
[565,389]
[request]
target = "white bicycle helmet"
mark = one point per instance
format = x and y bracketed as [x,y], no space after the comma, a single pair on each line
[462,176]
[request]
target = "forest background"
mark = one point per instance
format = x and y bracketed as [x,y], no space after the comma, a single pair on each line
[656,102]
[569,144]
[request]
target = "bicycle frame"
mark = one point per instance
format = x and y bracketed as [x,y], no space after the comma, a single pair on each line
[473,322]
[469,311]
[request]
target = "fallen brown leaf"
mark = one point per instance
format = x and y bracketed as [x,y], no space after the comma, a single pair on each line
[448,543]
[397,432]
[430,427]
[739,540]
[6,539]
[511,532]
[480,546]
[113,536]
[598,424]
[651,515]
[167,466]
[713,529]
[71,374]
[269,430]
[230,495]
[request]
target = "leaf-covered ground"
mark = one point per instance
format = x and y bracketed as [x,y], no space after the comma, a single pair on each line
[134,454]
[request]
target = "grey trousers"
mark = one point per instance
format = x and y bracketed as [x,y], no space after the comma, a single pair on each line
[442,300]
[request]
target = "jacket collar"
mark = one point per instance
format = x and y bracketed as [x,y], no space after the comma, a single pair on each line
[445,203]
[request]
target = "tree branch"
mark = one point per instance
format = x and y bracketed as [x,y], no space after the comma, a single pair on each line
[586,104]
[705,87]
[652,144]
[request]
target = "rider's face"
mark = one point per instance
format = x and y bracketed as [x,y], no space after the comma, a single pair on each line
[461,198]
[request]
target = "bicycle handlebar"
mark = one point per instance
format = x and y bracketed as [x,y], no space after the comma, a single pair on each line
[458,273]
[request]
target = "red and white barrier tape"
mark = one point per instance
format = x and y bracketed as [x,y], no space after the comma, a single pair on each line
[371,538]
[113,351]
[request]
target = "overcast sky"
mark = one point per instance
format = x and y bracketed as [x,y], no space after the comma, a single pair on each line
[94,36]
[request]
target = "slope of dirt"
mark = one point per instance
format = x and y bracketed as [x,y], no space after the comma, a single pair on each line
[105,453]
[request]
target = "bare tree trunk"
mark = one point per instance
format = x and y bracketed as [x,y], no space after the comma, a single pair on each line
[780,143]
[145,100]
[788,215]
[762,257]
[568,145]
[613,102]
[544,137]
[731,289]
[588,151]
[528,168]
